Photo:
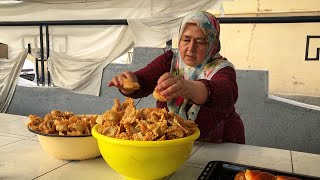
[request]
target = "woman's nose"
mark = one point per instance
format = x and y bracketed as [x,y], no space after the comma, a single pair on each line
[192,45]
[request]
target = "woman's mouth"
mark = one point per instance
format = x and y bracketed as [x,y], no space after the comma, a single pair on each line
[190,57]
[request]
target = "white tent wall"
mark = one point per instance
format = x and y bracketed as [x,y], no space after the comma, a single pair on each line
[86,50]
[9,74]
[17,39]
[66,10]
[10,68]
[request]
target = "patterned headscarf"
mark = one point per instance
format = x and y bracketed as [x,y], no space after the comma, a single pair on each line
[211,64]
[210,27]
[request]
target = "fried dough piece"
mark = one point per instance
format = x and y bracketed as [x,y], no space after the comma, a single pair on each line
[287,178]
[240,176]
[258,175]
[159,96]
[34,122]
[130,85]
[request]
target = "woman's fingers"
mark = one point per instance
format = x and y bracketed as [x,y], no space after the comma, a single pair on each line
[164,77]
[129,75]
[111,84]
[170,92]
[164,81]
[173,87]
[117,81]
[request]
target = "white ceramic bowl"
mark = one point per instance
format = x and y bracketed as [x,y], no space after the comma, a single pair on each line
[69,147]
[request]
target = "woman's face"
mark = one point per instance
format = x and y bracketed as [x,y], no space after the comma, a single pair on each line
[193,45]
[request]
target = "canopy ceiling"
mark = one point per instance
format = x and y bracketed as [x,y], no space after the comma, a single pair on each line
[78,54]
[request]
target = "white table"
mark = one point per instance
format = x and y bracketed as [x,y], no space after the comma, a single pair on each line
[21,157]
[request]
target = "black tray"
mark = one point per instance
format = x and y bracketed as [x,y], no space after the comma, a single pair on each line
[220,170]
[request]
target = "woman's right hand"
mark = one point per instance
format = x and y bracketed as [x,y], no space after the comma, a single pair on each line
[117,81]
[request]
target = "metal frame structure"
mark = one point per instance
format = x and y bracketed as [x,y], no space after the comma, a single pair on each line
[222,20]
[307,58]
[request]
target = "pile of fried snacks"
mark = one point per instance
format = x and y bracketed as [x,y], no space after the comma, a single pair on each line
[65,123]
[124,121]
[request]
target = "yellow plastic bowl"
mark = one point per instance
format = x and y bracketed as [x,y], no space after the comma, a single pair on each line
[144,159]
[69,147]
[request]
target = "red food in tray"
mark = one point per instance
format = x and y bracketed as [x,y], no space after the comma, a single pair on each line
[220,170]
[260,175]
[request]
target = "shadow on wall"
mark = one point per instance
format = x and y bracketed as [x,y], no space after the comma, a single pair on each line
[268,122]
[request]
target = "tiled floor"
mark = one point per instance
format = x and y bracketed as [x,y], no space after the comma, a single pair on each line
[8,117]
[85,169]
[21,157]
[244,154]
[306,163]
[15,127]
[25,160]
[5,140]
[188,171]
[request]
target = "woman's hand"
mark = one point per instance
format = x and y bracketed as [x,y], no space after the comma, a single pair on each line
[117,81]
[174,86]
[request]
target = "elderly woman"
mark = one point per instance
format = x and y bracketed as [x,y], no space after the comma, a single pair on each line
[198,83]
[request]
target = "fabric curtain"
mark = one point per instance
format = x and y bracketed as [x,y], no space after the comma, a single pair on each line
[165,19]
[9,74]
[81,74]
[79,53]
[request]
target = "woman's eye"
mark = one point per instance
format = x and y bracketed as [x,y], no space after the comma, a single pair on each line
[201,42]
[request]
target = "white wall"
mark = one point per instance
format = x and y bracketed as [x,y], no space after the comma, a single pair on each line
[278,48]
